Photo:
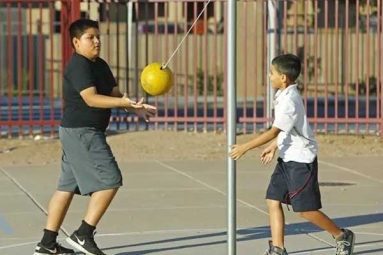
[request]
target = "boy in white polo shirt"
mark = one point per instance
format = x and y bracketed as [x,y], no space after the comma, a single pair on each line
[295,178]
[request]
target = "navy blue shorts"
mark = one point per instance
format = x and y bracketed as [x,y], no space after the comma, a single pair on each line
[296,184]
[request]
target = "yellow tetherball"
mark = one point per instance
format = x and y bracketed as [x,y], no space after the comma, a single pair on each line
[156,80]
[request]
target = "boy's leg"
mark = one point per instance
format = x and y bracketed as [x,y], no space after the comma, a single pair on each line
[83,238]
[62,198]
[345,239]
[98,204]
[305,194]
[97,175]
[306,200]
[58,207]
[323,221]
[277,222]
[275,195]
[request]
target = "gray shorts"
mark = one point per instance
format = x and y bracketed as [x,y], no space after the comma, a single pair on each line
[88,164]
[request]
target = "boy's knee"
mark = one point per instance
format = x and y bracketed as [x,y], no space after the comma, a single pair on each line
[302,214]
[273,203]
[307,214]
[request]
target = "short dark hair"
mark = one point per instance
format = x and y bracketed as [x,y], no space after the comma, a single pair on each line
[289,65]
[78,27]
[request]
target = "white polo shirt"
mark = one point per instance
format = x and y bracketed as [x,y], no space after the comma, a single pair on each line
[296,141]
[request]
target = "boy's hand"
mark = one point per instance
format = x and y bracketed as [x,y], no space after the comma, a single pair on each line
[128,103]
[142,110]
[268,155]
[237,150]
[146,111]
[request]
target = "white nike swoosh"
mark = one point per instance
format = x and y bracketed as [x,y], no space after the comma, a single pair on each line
[79,241]
[52,251]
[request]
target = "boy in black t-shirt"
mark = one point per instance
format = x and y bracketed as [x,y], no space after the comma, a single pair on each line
[88,164]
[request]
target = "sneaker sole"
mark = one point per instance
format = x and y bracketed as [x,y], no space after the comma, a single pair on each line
[38,253]
[77,246]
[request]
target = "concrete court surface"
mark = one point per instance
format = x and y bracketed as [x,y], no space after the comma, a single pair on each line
[179,207]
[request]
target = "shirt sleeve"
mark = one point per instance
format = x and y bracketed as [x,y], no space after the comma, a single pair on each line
[81,76]
[110,77]
[286,117]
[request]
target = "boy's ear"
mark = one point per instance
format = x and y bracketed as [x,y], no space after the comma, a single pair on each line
[284,77]
[75,41]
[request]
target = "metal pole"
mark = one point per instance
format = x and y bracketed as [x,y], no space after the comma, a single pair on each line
[231,125]
[271,53]
[129,34]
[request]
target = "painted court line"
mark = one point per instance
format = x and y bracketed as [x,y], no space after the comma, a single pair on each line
[350,171]
[153,232]
[17,245]
[198,230]
[208,186]
[238,200]
[4,226]
[29,195]
[132,209]
[161,232]
[357,246]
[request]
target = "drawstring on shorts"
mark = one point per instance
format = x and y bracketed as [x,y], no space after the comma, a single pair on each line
[296,192]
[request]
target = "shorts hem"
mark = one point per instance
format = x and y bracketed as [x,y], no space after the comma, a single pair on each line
[66,190]
[306,209]
[295,208]
[91,191]
[276,199]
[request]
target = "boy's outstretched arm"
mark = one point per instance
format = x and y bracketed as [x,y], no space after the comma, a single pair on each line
[93,99]
[145,112]
[116,92]
[239,149]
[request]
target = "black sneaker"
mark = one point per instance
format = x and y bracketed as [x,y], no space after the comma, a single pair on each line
[85,244]
[56,249]
[345,243]
[273,250]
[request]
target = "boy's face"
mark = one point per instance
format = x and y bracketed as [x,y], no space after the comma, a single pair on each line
[88,44]
[276,78]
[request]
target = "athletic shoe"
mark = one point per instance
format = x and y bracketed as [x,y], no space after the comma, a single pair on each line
[345,243]
[272,250]
[57,249]
[85,244]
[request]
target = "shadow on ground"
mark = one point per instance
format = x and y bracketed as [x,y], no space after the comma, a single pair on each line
[256,233]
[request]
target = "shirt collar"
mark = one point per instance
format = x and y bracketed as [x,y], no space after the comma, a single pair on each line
[282,93]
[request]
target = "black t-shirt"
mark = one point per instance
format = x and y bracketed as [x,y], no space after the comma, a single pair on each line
[82,73]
